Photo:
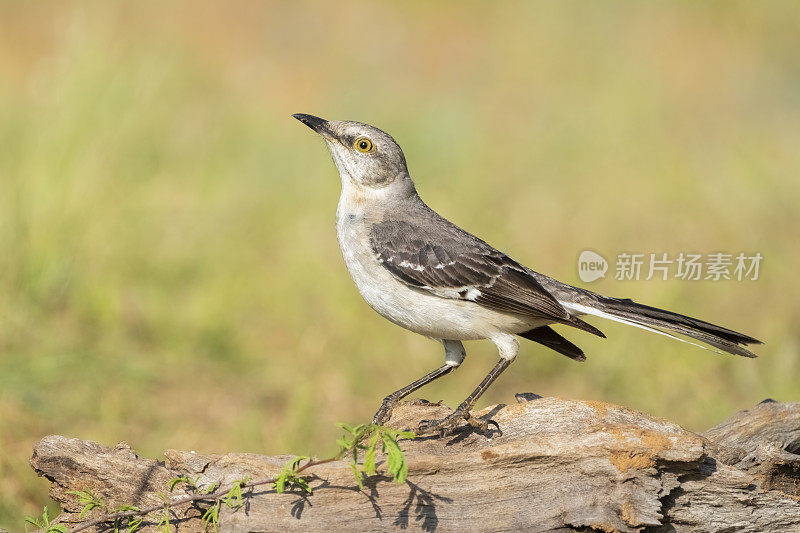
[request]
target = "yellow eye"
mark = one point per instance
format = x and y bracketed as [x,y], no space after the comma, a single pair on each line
[363,144]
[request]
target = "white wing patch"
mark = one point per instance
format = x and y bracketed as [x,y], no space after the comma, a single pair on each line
[472,294]
[403,264]
[406,264]
[455,293]
[413,266]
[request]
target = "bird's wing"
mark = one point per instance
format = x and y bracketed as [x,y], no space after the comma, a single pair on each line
[451,263]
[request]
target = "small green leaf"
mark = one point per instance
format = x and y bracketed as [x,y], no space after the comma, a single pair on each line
[395,462]
[164,524]
[174,481]
[211,516]
[134,524]
[357,474]
[125,509]
[234,497]
[44,523]
[280,483]
[88,499]
[303,484]
[345,427]
[369,457]
[287,475]
[210,488]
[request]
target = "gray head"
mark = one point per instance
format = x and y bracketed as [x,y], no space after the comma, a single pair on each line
[365,156]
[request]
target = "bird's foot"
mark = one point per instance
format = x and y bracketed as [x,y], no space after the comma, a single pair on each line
[384,412]
[443,427]
[447,426]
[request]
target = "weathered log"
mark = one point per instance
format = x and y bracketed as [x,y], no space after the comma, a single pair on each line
[556,465]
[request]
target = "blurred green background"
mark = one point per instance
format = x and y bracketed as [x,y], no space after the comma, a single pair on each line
[170,274]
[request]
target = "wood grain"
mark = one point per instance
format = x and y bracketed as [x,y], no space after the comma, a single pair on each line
[558,465]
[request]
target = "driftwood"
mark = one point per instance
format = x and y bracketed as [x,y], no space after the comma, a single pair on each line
[558,465]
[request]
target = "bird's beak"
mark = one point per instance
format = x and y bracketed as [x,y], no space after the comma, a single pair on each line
[320,125]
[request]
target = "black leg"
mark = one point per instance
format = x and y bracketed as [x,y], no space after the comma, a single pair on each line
[385,411]
[462,411]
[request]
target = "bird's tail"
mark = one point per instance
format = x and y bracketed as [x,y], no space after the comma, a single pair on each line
[664,322]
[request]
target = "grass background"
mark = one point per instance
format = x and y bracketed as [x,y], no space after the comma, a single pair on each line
[169,272]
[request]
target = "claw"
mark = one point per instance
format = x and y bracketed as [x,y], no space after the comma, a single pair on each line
[483,425]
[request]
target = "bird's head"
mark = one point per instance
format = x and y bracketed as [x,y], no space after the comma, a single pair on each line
[364,155]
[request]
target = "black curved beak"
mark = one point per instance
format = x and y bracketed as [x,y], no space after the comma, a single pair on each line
[319,125]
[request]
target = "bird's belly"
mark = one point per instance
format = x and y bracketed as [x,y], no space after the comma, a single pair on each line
[418,310]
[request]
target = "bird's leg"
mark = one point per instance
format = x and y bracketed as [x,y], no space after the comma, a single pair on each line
[446,425]
[508,350]
[385,411]
[454,355]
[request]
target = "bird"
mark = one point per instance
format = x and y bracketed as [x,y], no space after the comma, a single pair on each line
[424,273]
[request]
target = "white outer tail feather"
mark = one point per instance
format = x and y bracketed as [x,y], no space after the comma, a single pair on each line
[584,310]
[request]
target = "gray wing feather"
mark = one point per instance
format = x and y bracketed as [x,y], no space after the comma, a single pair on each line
[452,263]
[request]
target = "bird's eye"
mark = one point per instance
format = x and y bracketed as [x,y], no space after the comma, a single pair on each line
[363,144]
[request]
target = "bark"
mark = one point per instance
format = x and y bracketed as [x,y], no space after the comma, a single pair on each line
[556,465]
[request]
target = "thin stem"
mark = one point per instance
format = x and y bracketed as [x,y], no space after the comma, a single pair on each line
[183,500]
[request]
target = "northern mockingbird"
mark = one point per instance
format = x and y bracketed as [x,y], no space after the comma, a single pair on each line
[424,273]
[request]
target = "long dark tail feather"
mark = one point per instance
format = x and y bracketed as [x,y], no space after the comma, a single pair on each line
[652,317]
[547,336]
[576,322]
